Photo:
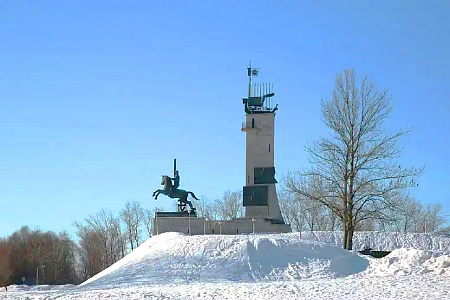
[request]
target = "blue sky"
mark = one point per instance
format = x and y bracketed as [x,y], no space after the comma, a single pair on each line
[98,97]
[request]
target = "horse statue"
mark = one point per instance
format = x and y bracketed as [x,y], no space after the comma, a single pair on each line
[179,194]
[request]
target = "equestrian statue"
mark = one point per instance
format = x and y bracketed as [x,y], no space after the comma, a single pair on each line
[172,191]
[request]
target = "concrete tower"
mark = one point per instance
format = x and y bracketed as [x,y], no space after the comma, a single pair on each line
[259,194]
[262,213]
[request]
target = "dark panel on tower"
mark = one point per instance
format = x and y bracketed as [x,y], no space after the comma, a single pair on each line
[256,195]
[264,175]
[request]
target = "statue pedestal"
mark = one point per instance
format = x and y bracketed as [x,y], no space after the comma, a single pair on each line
[186,223]
[179,221]
[176,214]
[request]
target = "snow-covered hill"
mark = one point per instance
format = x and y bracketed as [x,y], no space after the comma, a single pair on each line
[174,257]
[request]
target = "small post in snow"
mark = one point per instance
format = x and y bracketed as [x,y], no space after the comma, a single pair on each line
[204,226]
[156,220]
[189,214]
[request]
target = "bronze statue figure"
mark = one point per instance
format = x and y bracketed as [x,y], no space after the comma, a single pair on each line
[176,181]
[172,191]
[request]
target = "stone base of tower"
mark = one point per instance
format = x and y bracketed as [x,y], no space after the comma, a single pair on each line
[269,211]
[195,226]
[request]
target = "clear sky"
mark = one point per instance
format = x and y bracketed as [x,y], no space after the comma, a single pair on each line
[98,97]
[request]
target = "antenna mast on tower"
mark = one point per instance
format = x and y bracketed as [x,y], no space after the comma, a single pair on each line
[251,72]
[259,98]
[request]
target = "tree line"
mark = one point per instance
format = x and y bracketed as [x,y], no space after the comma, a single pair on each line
[36,257]
[408,216]
[31,256]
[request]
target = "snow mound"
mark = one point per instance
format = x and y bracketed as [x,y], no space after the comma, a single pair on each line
[178,258]
[411,261]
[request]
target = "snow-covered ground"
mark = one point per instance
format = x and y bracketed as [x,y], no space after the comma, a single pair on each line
[261,266]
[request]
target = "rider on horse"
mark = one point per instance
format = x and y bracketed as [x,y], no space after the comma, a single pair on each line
[176,182]
[171,190]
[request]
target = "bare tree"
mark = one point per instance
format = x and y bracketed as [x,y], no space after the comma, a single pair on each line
[366,225]
[305,214]
[90,251]
[149,219]
[5,270]
[133,217]
[101,242]
[205,208]
[356,166]
[315,214]
[229,206]
[432,219]
[333,219]
[410,215]
[292,211]
[407,215]
[118,238]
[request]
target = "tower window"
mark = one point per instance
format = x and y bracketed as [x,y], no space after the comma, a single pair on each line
[253,122]
[269,147]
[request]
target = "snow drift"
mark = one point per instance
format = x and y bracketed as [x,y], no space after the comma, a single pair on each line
[178,258]
[411,261]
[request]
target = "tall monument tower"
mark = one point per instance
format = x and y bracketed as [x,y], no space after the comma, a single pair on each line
[259,194]
[262,213]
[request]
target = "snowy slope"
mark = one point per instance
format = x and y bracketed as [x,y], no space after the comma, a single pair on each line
[174,257]
[411,261]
